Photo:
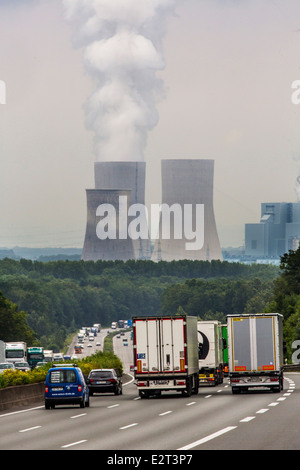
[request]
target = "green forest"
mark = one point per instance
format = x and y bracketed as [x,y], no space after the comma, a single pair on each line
[43,302]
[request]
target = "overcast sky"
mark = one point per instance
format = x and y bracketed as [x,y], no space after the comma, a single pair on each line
[229,69]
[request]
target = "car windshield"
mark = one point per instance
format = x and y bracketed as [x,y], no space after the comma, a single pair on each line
[101,374]
[21,364]
[6,366]
[62,376]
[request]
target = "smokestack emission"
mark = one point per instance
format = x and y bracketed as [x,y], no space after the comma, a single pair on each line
[122,43]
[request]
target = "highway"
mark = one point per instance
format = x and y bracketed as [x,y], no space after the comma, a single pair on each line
[212,420]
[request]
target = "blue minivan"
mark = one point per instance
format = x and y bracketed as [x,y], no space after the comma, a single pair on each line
[65,384]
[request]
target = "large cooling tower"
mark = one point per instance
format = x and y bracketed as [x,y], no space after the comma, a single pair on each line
[96,246]
[187,187]
[121,178]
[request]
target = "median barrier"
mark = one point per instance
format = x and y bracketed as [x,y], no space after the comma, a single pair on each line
[20,395]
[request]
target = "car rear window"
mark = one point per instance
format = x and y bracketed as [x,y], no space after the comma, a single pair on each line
[62,376]
[101,375]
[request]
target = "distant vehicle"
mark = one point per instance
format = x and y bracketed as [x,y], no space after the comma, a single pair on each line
[65,384]
[98,326]
[114,325]
[34,355]
[41,364]
[48,355]
[16,352]
[98,343]
[103,381]
[125,343]
[6,366]
[89,345]
[58,357]
[23,366]
[78,349]
[80,338]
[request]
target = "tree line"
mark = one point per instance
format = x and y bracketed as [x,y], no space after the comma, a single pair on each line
[55,298]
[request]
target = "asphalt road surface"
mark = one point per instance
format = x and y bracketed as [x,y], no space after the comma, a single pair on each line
[212,420]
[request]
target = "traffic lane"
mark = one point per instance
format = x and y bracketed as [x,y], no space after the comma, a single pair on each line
[126,422]
[125,353]
[271,425]
[97,427]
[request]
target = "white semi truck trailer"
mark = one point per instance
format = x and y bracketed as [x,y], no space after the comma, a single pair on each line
[165,352]
[255,351]
[211,346]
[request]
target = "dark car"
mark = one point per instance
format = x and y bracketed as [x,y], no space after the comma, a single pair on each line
[103,381]
[65,384]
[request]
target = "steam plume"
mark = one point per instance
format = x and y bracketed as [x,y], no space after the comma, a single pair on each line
[122,42]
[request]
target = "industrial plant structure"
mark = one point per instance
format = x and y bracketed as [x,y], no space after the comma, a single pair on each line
[187,227]
[188,185]
[277,232]
[112,180]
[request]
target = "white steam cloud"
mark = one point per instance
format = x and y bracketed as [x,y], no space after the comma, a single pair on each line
[122,42]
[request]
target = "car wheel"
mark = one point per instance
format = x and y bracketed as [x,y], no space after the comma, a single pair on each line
[82,403]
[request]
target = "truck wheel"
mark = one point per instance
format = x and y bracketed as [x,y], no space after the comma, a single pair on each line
[196,385]
[188,391]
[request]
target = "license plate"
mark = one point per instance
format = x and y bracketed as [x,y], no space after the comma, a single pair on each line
[161,382]
[57,389]
[254,379]
[101,382]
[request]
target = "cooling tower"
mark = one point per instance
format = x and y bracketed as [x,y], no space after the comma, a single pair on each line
[187,191]
[102,239]
[115,178]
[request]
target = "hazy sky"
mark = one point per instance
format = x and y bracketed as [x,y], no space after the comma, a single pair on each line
[229,67]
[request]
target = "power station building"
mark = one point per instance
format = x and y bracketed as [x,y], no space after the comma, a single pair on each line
[277,232]
[186,221]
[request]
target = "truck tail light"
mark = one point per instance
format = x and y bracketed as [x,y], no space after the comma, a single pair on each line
[142,384]
[274,379]
[180,382]
[235,380]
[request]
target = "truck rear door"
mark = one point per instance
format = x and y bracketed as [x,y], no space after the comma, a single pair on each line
[253,343]
[159,345]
